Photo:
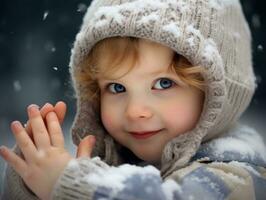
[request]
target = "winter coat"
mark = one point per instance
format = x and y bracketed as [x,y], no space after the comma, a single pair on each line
[229,167]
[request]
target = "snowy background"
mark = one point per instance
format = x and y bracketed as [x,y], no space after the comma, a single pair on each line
[35,42]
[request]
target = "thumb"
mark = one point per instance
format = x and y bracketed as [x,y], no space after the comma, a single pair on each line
[85,146]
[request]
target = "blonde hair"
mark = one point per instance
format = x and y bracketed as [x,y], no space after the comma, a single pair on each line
[116,50]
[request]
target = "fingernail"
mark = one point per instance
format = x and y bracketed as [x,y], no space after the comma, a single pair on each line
[47,104]
[16,126]
[33,106]
[2,150]
[33,109]
[52,116]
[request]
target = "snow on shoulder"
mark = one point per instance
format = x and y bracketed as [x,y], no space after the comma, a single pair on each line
[241,143]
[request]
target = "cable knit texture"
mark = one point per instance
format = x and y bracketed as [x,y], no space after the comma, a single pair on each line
[211,33]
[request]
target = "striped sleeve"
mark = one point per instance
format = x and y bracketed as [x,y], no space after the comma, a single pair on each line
[14,187]
[221,181]
[93,179]
[86,178]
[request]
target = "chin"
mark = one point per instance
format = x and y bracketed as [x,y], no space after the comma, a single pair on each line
[149,157]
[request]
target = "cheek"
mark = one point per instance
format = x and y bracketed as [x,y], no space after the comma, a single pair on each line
[175,114]
[181,117]
[109,118]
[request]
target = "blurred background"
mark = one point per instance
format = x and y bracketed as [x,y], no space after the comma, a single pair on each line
[35,42]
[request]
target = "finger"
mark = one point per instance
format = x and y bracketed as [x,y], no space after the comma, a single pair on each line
[39,131]
[17,163]
[60,110]
[44,110]
[24,141]
[54,130]
[86,146]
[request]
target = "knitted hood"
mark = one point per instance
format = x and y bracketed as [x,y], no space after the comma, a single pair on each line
[210,33]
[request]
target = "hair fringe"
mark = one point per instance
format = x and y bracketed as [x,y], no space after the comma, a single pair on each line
[117,49]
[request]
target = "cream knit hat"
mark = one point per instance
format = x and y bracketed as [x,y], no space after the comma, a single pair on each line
[210,33]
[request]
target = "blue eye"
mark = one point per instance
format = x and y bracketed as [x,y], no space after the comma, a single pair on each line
[116,88]
[163,83]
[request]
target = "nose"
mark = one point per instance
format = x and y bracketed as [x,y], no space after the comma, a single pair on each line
[138,109]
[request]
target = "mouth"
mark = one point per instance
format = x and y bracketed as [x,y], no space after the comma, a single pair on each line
[144,134]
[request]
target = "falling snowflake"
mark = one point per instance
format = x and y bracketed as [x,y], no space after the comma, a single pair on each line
[55,84]
[53,49]
[45,15]
[258,79]
[256,21]
[55,68]
[49,46]
[82,8]
[17,85]
[260,48]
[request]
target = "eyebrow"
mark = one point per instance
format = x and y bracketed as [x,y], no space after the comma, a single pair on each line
[160,71]
[109,78]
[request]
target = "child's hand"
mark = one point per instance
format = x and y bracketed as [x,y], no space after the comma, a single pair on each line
[86,145]
[59,109]
[44,160]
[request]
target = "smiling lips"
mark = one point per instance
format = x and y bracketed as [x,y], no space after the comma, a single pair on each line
[144,135]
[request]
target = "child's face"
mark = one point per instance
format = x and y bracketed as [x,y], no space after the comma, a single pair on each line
[149,98]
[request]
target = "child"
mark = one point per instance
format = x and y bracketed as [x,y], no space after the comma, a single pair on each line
[161,84]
